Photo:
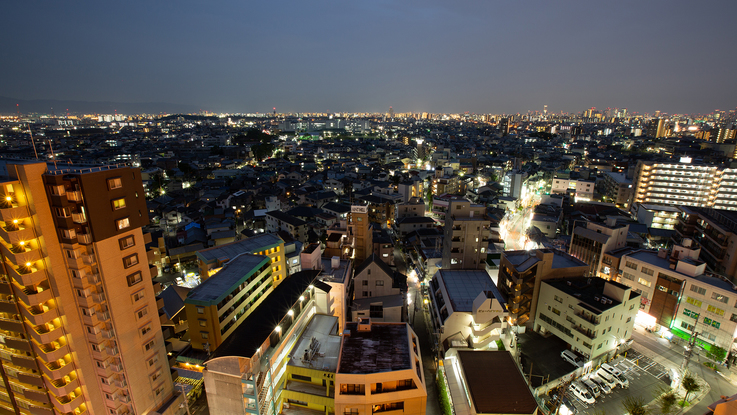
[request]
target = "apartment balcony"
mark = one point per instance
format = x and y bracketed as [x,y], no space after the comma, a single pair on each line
[582,330]
[717,237]
[25,275]
[479,330]
[39,314]
[97,318]
[36,395]
[24,362]
[74,196]
[40,410]
[52,351]
[80,218]
[89,259]
[112,351]
[8,214]
[8,307]
[18,344]
[31,379]
[67,403]
[14,233]
[588,322]
[91,300]
[86,281]
[61,387]
[46,333]
[31,295]
[56,371]
[20,255]
[11,325]
[84,238]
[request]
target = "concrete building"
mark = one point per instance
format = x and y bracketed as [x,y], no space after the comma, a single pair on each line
[466,236]
[211,260]
[414,207]
[80,326]
[716,232]
[512,183]
[338,274]
[594,316]
[359,234]
[253,371]
[591,242]
[521,274]
[405,225]
[380,370]
[474,392]
[277,220]
[379,292]
[675,183]
[656,216]
[467,309]
[617,189]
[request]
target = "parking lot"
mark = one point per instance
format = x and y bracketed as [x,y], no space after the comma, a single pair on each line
[647,380]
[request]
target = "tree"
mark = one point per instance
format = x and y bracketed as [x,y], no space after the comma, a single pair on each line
[690,385]
[667,402]
[635,405]
[716,354]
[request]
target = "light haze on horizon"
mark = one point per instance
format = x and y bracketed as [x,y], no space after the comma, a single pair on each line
[343,56]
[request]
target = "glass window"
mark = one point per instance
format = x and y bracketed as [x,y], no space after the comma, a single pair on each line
[720,298]
[122,223]
[114,183]
[134,279]
[130,260]
[119,203]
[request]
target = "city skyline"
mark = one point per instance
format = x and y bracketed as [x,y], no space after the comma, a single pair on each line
[335,57]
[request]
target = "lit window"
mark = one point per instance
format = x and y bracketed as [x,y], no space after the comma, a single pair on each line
[119,203]
[122,223]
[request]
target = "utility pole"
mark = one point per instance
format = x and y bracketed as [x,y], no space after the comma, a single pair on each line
[186,401]
[689,348]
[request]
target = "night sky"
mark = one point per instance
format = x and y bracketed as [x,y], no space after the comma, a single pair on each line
[489,56]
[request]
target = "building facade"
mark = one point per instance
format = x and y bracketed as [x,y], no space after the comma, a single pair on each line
[466,236]
[80,324]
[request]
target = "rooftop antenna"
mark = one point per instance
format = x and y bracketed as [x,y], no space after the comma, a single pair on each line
[32,142]
[53,156]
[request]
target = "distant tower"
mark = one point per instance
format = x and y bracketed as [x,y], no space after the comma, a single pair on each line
[504,126]
[545,110]
[275,111]
[391,112]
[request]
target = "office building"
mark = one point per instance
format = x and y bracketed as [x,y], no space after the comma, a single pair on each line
[474,391]
[521,274]
[594,316]
[466,236]
[380,370]
[80,326]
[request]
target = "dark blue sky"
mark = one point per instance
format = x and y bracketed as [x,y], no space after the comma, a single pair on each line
[486,56]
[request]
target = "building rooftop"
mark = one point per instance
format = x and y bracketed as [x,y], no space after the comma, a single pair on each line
[338,275]
[495,384]
[220,285]
[463,286]
[249,245]
[589,291]
[662,208]
[257,327]
[385,348]
[285,217]
[326,345]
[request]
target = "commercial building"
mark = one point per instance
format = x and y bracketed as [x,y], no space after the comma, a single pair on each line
[521,274]
[467,309]
[80,316]
[380,370]
[466,236]
[488,383]
[594,316]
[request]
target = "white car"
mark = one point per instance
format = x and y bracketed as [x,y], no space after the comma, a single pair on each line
[592,387]
[601,384]
[581,393]
[572,358]
[607,377]
[617,375]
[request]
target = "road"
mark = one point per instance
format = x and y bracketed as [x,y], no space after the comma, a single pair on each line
[671,356]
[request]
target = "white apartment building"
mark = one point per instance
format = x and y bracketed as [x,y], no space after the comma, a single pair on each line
[594,316]
[676,183]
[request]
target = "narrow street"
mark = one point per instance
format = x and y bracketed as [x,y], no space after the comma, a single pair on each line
[423,329]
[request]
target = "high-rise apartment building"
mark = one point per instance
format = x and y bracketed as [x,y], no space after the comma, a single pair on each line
[80,323]
[466,236]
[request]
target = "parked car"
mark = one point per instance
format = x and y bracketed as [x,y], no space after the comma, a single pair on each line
[592,387]
[617,375]
[607,377]
[601,384]
[581,393]
[572,358]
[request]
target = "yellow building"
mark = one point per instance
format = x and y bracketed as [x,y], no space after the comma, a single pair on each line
[212,259]
[380,370]
[78,311]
